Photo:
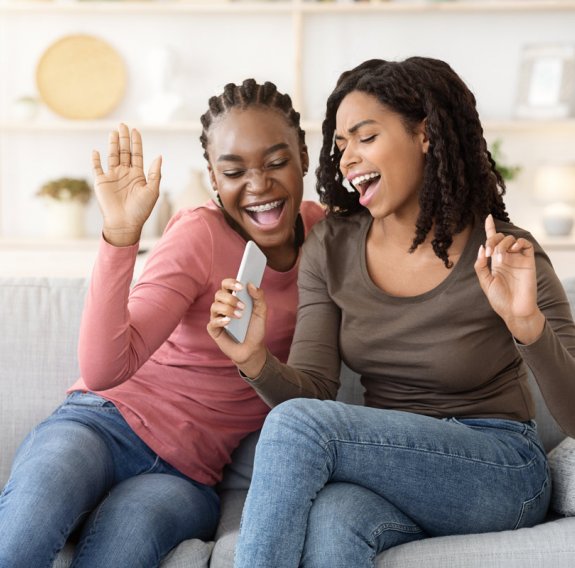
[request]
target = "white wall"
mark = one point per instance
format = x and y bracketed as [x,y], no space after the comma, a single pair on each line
[214,49]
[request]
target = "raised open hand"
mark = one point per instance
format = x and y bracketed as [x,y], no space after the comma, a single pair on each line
[510,282]
[125,197]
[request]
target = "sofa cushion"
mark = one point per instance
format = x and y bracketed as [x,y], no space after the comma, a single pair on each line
[562,464]
[542,546]
[238,473]
[228,528]
[548,544]
[192,553]
[38,344]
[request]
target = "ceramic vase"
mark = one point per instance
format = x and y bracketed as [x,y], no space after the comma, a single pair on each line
[65,219]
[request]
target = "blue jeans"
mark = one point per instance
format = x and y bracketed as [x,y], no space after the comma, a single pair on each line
[84,468]
[335,484]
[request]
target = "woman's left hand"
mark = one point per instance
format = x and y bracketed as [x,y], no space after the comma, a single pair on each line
[510,282]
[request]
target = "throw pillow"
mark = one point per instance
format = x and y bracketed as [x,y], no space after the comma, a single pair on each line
[562,464]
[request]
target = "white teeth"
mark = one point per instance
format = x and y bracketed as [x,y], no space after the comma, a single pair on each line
[362,179]
[264,207]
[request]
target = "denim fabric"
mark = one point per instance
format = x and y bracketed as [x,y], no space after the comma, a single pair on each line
[84,468]
[335,484]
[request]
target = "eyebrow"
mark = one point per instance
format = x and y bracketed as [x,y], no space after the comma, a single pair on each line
[356,127]
[236,158]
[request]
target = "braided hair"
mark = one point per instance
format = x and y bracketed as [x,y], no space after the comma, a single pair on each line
[249,94]
[460,180]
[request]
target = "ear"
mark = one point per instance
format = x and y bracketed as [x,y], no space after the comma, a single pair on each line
[304,156]
[422,134]
[212,176]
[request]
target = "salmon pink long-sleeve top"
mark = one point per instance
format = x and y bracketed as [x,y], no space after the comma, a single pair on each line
[146,348]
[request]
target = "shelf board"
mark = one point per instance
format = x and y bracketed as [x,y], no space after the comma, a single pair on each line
[285,7]
[17,244]
[440,6]
[533,125]
[195,127]
[489,125]
[98,126]
[145,7]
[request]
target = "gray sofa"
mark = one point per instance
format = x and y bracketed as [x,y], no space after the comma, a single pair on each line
[38,333]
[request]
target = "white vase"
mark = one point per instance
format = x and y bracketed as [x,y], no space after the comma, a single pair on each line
[65,219]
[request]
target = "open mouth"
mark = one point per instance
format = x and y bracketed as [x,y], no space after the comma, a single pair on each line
[364,182]
[266,213]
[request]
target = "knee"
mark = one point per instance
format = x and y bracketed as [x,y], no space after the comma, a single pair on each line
[157,504]
[301,420]
[299,415]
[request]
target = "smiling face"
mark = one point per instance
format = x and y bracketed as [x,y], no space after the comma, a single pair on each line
[256,165]
[380,158]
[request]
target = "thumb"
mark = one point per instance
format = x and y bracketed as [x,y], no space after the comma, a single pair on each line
[258,297]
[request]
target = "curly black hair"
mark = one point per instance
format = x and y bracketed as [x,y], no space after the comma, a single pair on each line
[249,94]
[460,180]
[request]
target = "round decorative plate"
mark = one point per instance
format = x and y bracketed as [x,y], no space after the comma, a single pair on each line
[81,76]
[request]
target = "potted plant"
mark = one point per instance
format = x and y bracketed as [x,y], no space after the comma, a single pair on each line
[508,173]
[65,199]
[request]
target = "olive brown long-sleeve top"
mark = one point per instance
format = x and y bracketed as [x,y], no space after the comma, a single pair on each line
[442,353]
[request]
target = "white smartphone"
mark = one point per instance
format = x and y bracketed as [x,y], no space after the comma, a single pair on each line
[251,270]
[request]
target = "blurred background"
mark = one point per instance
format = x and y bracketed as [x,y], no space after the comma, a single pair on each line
[70,70]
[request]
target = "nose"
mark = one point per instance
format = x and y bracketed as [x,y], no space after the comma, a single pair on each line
[348,157]
[256,179]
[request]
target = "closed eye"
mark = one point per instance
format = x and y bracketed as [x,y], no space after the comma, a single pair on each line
[278,163]
[233,173]
[367,139]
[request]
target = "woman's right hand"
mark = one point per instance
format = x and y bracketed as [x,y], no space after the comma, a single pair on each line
[125,197]
[249,356]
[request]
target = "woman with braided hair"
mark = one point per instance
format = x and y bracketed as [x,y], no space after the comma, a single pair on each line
[131,458]
[418,281]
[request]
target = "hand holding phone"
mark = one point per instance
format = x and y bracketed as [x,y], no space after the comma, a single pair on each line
[251,270]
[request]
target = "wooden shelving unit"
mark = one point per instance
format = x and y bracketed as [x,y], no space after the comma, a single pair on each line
[299,16]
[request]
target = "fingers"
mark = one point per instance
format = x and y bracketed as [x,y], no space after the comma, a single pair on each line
[482,269]
[502,247]
[137,149]
[490,229]
[125,148]
[113,149]
[493,237]
[226,304]
[511,245]
[154,173]
[125,153]
[96,164]
[523,246]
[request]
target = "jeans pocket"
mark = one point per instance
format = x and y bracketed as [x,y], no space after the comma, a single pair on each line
[81,398]
[534,510]
[495,423]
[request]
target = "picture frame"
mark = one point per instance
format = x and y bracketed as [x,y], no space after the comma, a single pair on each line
[546,87]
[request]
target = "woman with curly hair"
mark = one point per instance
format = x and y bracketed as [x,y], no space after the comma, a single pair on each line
[419,283]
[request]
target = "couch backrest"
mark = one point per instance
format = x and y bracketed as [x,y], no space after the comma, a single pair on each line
[39,325]
[38,338]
